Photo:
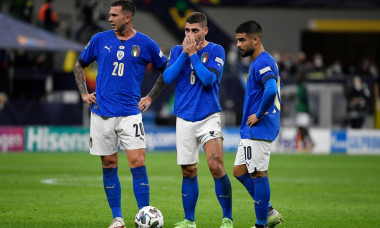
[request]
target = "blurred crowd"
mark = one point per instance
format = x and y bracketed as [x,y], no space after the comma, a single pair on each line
[314,67]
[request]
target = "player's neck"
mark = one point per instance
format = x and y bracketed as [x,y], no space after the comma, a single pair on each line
[260,49]
[204,44]
[126,34]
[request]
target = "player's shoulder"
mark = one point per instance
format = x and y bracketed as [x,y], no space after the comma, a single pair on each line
[100,37]
[266,57]
[215,46]
[145,38]
[104,34]
[175,52]
[264,64]
[176,49]
[264,60]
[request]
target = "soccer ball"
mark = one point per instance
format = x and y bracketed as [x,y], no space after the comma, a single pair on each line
[149,217]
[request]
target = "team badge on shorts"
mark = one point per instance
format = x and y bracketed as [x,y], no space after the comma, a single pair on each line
[204,57]
[135,50]
[90,142]
[120,55]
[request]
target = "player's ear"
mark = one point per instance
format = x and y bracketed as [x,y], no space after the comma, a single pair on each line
[206,30]
[128,18]
[256,39]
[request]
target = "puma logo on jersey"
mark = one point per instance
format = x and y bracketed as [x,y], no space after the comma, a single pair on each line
[108,48]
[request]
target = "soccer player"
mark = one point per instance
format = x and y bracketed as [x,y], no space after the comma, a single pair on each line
[122,55]
[260,123]
[197,68]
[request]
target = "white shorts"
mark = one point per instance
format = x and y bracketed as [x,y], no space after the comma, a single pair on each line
[302,119]
[255,154]
[105,132]
[190,135]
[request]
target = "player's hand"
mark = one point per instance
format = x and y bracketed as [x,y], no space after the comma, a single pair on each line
[185,44]
[145,103]
[89,98]
[189,45]
[253,120]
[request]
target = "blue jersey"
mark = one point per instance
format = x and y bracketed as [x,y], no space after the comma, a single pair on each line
[121,69]
[261,69]
[193,100]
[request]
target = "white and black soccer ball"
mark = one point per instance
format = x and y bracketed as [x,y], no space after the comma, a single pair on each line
[149,217]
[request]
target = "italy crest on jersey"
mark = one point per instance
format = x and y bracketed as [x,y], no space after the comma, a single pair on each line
[135,50]
[120,54]
[204,57]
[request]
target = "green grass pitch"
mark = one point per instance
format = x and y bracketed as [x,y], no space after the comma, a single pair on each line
[65,190]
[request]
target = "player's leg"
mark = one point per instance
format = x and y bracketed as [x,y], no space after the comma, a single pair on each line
[136,161]
[214,154]
[103,142]
[261,197]
[240,171]
[255,156]
[131,133]
[211,138]
[187,157]
[190,190]
[257,160]
[111,183]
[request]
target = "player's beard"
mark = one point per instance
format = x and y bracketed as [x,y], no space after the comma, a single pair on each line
[121,28]
[246,53]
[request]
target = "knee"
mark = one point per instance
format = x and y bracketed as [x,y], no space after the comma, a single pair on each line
[258,174]
[189,170]
[137,162]
[239,170]
[109,162]
[217,169]
[236,173]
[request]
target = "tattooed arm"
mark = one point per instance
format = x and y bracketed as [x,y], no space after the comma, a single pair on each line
[81,83]
[146,101]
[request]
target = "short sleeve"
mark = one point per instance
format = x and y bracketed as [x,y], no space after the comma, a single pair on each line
[89,53]
[157,56]
[265,71]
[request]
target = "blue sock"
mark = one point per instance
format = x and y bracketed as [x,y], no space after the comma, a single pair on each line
[140,186]
[190,193]
[270,207]
[262,196]
[113,190]
[224,194]
[246,180]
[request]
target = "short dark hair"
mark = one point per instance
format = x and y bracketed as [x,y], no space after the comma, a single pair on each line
[251,28]
[127,5]
[197,17]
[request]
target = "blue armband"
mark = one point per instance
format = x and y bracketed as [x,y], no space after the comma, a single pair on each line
[207,77]
[270,91]
[172,72]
